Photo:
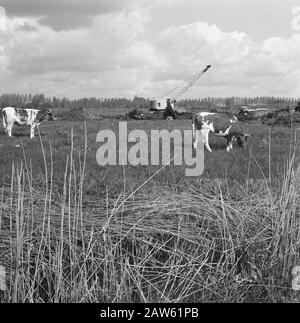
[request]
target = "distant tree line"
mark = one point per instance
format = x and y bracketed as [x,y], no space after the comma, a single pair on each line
[40,101]
[239,101]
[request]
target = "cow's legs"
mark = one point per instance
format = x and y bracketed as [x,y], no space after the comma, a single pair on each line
[195,137]
[205,130]
[32,131]
[205,135]
[205,140]
[229,146]
[8,129]
[193,131]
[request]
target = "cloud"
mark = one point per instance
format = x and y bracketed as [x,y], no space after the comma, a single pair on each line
[283,49]
[63,14]
[109,55]
[27,27]
[144,55]
[100,47]
[62,22]
[112,54]
[195,42]
[188,48]
[240,66]
[31,8]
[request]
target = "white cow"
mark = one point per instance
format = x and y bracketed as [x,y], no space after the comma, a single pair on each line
[221,125]
[29,117]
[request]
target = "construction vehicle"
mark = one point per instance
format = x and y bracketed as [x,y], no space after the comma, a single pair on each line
[168,99]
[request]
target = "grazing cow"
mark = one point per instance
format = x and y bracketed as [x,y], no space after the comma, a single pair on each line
[29,117]
[221,125]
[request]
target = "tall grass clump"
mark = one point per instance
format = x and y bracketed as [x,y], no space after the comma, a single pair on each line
[195,244]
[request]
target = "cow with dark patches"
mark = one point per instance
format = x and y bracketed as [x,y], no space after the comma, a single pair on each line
[29,117]
[219,124]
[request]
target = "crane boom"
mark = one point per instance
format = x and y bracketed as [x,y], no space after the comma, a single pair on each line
[161,104]
[193,80]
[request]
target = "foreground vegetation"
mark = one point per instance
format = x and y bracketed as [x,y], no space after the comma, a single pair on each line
[71,231]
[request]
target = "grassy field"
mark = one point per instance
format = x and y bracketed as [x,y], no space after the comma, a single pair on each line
[265,145]
[72,231]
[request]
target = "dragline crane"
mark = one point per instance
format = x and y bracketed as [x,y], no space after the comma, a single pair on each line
[161,104]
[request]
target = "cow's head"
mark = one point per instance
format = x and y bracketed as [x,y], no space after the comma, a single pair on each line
[50,116]
[241,138]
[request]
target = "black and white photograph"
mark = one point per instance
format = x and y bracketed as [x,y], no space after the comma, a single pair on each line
[149,154]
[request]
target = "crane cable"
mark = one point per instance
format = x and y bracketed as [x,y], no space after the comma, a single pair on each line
[192,82]
[186,81]
[189,82]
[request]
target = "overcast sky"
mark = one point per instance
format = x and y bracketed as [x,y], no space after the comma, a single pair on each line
[122,48]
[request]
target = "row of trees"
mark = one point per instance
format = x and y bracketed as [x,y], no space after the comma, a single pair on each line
[234,101]
[40,101]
